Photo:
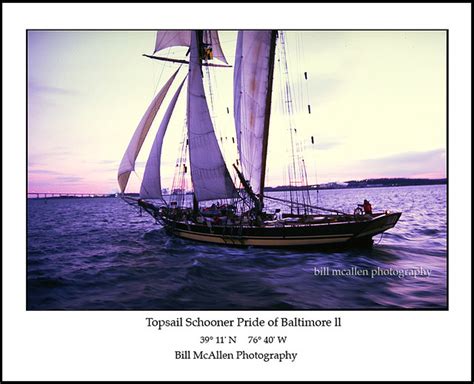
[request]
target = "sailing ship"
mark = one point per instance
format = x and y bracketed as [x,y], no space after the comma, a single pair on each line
[239,213]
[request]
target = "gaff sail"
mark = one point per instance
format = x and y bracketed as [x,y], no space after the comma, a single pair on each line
[253,75]
[210,177]
[151,184]
[127,164]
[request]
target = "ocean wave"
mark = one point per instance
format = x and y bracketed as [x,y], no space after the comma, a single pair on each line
[100,254]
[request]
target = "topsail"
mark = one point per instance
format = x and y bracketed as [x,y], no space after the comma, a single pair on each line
[167,39]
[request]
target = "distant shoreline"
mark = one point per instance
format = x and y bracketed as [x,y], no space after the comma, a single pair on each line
[357,184]
[370,183]
[353,184]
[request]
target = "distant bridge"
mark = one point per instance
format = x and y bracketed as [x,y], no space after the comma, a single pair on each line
[49,195]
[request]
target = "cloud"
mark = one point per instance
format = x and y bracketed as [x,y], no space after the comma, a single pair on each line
[412,157]
[70,179]
[409,163]
[326,145]
[43,158]
[37,88]
[43,172]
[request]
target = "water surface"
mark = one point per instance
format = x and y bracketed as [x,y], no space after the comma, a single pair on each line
[97,254]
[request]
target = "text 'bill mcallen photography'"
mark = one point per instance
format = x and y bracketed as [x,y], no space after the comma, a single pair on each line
[372,273]
[237,355]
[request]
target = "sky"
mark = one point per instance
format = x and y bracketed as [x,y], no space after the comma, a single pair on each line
[378,106]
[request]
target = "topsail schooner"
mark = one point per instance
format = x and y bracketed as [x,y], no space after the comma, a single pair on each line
[238,215]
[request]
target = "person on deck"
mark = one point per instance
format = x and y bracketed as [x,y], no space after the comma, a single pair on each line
[367,207]
[278,215]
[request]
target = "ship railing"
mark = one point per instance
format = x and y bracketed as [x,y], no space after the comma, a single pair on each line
[308,206]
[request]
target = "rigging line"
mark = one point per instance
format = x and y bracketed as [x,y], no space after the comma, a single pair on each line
[138,176]
[298,67]
[183,172]
[296,56]
[213,111]
[289,111]
[178,182]
[312,206]
[285,171]
[315,162]
[301,55]
[291,189]
[306,182]
[161,73]
[296,78]
[243,123]
[284,112]
[301,176]
[136,207]
[300,147]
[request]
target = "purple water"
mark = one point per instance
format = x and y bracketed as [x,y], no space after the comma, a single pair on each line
[99,254]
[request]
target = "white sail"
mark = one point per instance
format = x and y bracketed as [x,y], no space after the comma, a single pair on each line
[253,62]
[209,174]
[175,38]
[151,183]
[167,39]
[127,164]
[216,46]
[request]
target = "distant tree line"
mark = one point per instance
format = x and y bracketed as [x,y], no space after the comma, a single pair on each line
[367,183]
[395,182]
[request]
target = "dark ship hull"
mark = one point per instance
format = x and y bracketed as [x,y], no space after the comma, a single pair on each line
[331,230]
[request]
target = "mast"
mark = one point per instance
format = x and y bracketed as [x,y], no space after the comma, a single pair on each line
[248,190]
[199,44]
[199,36]
[271,65]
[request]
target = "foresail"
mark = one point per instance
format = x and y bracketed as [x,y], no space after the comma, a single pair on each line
[151,184]
[127,164]
[252,94]
[209,174]
[174,38]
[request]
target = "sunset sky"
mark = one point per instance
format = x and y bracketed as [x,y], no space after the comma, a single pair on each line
[378,106]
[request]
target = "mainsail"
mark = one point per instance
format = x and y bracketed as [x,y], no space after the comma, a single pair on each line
[209,174]
[127,164]
[173,38]
[151,184]
[253,75]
